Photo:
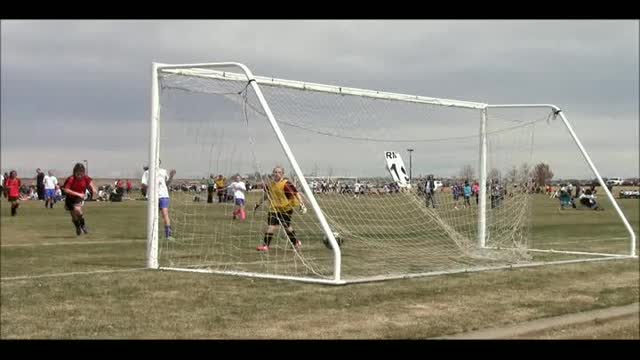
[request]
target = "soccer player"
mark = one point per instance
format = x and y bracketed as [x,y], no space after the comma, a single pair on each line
[238,187]
[12,191]
[565,199]
[587,199]
[475,189]
[75,188]
[283,198]
[457,192]
[40,184]
[211,186]
[430,191]
[221,183]
[50,183]
[144,181]
[467,194]
[162,185]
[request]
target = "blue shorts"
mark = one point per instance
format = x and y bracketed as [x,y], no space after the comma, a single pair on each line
[49,193]
[164,203]
[240,202]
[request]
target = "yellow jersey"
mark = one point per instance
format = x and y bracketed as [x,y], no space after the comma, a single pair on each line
[282,195]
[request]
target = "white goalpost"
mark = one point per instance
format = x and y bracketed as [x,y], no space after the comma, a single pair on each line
[208,121]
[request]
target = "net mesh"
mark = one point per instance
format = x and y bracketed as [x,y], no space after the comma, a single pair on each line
[213,126]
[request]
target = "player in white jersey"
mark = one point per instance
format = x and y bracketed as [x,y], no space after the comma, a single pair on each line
[144,181]
[162,182]
[50,183]
[238,187]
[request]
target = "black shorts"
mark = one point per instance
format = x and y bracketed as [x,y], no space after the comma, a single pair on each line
[278,218]
[71,202]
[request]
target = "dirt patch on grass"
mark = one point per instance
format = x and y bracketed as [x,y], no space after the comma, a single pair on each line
[623,327]
[604,323]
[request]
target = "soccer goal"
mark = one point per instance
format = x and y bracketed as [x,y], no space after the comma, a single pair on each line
[375,221]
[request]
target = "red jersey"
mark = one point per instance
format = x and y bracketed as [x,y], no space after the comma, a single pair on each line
[13,186]
[78,185]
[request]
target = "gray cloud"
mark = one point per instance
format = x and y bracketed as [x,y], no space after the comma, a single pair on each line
[80,89]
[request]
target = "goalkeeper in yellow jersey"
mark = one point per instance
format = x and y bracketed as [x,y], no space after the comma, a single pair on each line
[283,198]
[221,188]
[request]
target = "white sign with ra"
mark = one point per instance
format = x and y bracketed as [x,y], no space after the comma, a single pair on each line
[396,168]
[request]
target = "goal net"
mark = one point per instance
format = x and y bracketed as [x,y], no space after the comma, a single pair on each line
[396,180]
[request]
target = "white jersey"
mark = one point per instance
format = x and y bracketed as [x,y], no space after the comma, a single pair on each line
[145,178]
[162,178]
[238,189]
[50,182]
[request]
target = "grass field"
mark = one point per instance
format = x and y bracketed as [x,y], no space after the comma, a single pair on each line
[57,285]
[390,235]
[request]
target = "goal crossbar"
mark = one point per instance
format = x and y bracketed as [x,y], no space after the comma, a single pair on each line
[201,71]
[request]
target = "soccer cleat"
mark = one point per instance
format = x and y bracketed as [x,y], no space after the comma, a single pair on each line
[171,239]
[298,245]
[262,248]
[84,229]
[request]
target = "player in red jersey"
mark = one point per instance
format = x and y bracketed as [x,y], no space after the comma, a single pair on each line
[75,188]
[12,190]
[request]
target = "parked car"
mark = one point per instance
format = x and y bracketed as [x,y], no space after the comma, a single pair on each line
[614,181]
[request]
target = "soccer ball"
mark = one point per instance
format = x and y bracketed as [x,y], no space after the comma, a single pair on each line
[338,238]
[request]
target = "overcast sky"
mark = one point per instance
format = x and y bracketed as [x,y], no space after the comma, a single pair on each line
[76,90]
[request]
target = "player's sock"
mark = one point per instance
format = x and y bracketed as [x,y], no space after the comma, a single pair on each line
[267,239]
[167,231]
[13,210]
[82,225]
[292,236]
[243,214]
[76,223]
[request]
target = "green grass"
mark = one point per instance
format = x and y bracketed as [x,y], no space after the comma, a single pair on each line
[163,304]
[385,235]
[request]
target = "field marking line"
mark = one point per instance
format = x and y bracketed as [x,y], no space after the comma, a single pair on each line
[73,243]
[30,277]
